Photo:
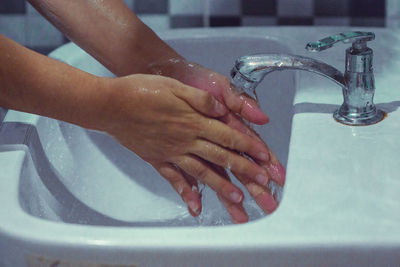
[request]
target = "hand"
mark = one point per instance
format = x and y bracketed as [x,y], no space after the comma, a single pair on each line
[168,124]
[216,84]
[241,106]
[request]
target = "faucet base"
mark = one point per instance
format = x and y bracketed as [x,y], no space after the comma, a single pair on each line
[359,119]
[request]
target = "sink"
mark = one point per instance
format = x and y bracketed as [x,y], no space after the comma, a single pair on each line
[75,196]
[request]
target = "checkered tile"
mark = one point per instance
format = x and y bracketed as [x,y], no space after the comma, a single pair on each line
[21,22]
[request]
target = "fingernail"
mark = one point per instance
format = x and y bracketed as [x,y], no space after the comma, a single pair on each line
[277,173]
[194,207]
[195,189]
[263,156]
[180,189]
[236,197]
[219,108]
[262,179]
[268,203]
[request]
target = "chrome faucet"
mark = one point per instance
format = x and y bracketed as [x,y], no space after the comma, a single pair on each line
[357,82]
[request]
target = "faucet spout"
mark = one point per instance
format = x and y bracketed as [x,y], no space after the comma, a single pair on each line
[250,70]
[357,82]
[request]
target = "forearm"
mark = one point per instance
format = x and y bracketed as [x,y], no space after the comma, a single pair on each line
[109,31]
[37,84]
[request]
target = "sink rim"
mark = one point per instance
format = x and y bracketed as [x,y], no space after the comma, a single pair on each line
[19,226]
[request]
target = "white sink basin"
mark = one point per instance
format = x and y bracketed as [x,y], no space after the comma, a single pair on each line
[76,196]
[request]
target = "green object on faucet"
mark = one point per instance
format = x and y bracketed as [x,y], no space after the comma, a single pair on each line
[344,37]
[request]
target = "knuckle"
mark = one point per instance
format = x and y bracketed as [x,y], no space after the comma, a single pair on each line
[200,172]
[237,165]
[222,157]
[242,166]
[207,100]
[227,140]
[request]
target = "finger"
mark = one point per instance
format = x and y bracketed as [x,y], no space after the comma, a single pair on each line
[220,87]
[274,168]
[174,176]
[195,188]
[200,100]
[244,105]
[221,134]
[235,210]
[261,195]
[237,123]
[202,172]
[228,159]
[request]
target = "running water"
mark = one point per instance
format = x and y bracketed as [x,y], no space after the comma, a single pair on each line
[245,87]
[213,212]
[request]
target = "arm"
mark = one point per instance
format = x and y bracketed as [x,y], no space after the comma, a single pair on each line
[117,38]
[28,80]
[108,31]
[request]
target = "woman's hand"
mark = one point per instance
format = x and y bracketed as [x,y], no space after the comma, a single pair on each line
[169,125]
[216,84]
[240,107]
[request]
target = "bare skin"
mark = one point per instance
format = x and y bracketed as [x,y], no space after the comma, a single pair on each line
[111,33]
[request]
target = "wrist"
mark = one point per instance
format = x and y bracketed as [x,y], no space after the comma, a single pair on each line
[175,67]
[98,103]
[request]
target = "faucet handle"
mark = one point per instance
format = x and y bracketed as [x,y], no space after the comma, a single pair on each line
[359,40]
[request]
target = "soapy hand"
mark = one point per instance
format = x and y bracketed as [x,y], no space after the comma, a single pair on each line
[240,107]
[170,125]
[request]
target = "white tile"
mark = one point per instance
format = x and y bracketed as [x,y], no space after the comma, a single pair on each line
[13,27]
[225,7]
[157,23]
[39,32]
[296,8]
[393,13]
[187,7]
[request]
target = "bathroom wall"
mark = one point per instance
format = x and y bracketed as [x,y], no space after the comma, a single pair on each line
[21,22]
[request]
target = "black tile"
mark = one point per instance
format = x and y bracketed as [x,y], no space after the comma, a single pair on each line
[367,8]
[258,21]
[12,6]
[150,6]
[259,7]
[295,21]
[225,21]
[368,22]
[336,8]
[186,21]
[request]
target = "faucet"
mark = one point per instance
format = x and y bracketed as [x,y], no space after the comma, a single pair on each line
[357,82]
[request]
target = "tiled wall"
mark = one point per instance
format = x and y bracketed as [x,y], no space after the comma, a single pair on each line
[22,23]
